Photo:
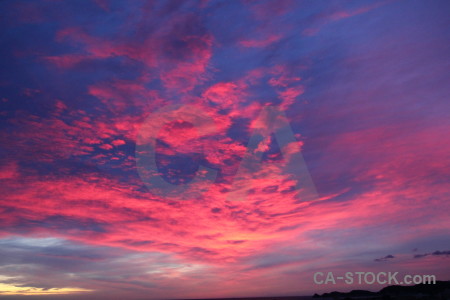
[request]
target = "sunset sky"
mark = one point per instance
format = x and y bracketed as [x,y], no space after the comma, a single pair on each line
[361,89]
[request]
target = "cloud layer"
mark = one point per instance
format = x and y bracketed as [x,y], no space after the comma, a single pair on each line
[363,86]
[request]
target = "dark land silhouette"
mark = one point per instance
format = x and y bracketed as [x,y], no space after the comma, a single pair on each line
[438,291]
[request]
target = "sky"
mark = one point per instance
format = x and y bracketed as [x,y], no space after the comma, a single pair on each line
[200,149]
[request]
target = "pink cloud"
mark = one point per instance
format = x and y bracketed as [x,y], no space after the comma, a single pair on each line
[118,142]
[267,41]
[338,15]
[9,170]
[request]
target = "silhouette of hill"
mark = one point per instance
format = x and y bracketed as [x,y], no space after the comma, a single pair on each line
[438,291]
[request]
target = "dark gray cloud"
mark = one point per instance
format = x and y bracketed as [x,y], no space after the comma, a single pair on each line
[435,253]
[386,258]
